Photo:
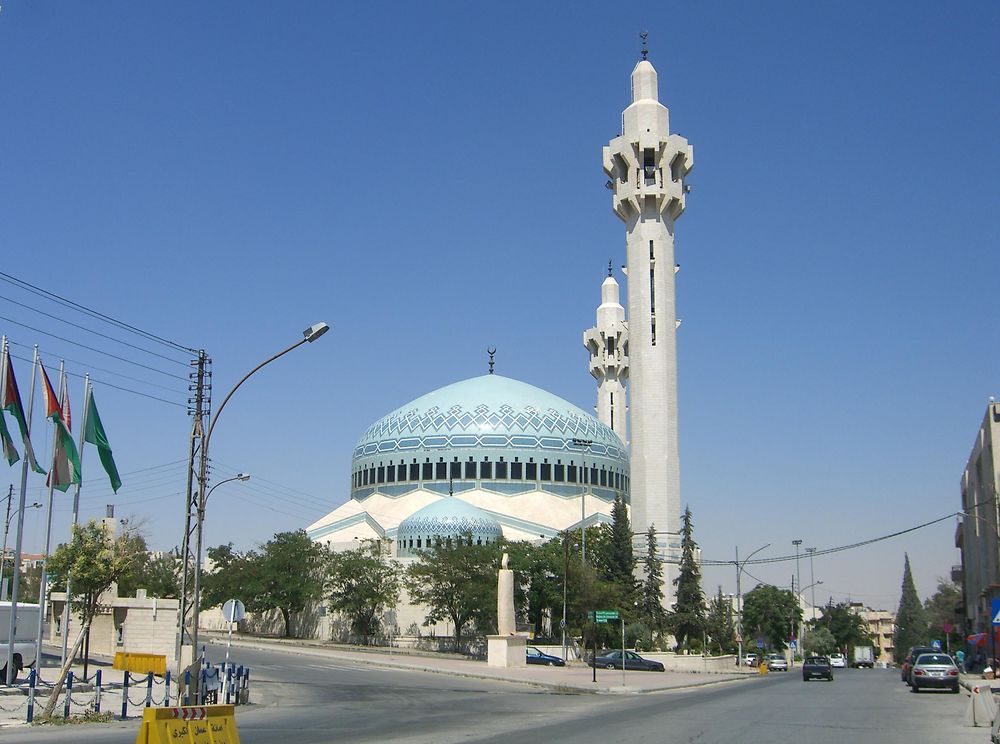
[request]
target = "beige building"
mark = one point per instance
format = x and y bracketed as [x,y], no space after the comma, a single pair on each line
[977,534]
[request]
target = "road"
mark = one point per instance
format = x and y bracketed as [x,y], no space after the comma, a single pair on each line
[311,700]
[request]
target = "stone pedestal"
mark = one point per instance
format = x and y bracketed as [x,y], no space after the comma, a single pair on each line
[505,651]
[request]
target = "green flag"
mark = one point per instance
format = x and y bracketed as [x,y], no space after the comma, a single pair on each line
[96,435]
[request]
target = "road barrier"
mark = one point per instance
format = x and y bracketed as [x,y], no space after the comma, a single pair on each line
[211,724]
[982,709]
[141,663]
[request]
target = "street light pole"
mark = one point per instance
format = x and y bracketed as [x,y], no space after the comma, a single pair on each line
[585,443]
[565,570]
[798,583]
[802,645]
[309,335]
[6,529]
[739,596]
[812,578]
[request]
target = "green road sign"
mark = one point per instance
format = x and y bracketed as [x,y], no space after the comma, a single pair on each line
[602,616]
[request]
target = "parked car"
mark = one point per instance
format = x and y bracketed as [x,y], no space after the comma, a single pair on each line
[913,653]
[817,667]
[777,663]
[632,661]
[750,660]
[533,655]
[838,661]
[934,670]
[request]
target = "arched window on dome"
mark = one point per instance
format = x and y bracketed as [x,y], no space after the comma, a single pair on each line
[456,469]
[414,471]
[428,470]
[546,469]
[390,473]
[571,473]
[470,469]
[531,470]
[516,470]
[380,478]
[560,472]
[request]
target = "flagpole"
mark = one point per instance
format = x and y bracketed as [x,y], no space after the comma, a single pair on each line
[44,579]
[67,613]
[15,579]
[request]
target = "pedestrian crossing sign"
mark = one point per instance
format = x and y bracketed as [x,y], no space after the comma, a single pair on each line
[996,612]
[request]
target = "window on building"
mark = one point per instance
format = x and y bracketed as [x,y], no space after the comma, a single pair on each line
[604,477]
[546,471]
[516,470]
[414,471]
[428,470]
[456,469]
[380,474]
[390,473]
[441,470]
[571,473]
[366,477]
[120,635]
[501,470]
[531,471]
[485,469]
[560,474]
[470,470]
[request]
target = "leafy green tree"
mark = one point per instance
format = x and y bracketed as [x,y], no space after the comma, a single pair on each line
[91,562]
[771,613]
[158,574]
[820,640]
[458,581]
[621,563]
[363,584]
[285,575]
[720,625]
[847,627]
[946,611]
[911,619]
[651,610]
[538,570]
[687,620]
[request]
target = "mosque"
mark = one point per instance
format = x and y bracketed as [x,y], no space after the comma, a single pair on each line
[497,457]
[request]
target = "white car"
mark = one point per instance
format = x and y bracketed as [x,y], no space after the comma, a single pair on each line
[777,663]
[838,661]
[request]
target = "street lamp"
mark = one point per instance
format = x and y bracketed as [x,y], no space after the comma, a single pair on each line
[739,596]
[798,582]
[6,529]
[310,334]
[585,443]
[812,578]
[802,625]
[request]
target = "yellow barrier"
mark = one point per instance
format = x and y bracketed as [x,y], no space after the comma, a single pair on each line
[141,663]
[192,724]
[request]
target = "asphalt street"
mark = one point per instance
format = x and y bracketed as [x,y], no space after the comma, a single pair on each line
[311,700]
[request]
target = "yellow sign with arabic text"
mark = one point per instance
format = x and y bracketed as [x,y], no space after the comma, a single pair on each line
[189,724]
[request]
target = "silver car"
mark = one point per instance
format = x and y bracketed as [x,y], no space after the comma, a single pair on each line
[777,663]
[934,670]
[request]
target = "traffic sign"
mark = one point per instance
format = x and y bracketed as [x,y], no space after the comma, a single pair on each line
[996,612]
[602,616]
[936,645]
[233,610]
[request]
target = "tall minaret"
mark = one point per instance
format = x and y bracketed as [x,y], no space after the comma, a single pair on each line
[607,344]
[646,166]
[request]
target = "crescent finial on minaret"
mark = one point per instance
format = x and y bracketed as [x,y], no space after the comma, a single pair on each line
[642,35]
[611,271]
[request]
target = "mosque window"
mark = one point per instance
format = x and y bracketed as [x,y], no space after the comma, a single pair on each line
[380,474]
[371,475]
[441,470]
[516,470]
[610,345]
[571,473]
[419,544]
[365,482]
[593,475]
[470,470]
[531,471]
[546,471]
[501,470]
[390,473]
[414,471]
[428,470]
[604,477]
[486,469]
[560,472]
[456,469]
[649,164]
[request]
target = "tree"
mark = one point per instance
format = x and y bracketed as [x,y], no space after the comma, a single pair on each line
[458,581]
[719,625]
[92,560]
[688,618]
[158,574]
[911,620]
[285,575]
[821,641]
[847,627]
[538,579]
[771,613]
[946,610]
[363,584]
[651,611]
[621,560]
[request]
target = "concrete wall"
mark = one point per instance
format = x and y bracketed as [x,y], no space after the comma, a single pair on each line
[148,625]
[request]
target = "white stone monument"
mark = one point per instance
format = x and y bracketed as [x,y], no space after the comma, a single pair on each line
[505,649]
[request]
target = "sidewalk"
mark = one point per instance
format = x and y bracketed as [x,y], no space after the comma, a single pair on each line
[574,677]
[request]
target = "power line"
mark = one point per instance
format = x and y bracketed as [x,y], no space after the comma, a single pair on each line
[93,313]
[90,330]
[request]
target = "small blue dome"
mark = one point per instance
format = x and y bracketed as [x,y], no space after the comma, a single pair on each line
[445,519]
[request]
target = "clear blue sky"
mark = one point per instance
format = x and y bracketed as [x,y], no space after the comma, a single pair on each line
[427,179]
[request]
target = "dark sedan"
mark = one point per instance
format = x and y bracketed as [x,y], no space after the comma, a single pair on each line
[533,655]
[817,667]
[631,660]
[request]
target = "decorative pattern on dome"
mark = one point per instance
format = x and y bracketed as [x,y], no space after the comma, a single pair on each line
[446,519]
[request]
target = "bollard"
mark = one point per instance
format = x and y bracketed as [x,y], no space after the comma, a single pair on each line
[125,696]
[246,683]
[149,689]
[31,695]
[166,689]
[69,694]
[201,688]
[97,693]
[229,684]
[187,687]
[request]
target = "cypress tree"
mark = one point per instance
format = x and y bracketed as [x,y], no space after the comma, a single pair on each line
[911,618]
[688,618]
[622,560]
[651,602]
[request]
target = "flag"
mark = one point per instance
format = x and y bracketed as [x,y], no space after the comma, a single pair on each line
[12,404]
[65,458]
[95,434]
[9,453]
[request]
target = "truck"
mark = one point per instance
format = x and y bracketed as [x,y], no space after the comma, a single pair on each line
[864,657]
[25,634]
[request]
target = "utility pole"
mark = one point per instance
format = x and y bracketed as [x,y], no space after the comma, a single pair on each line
[199,408]
[798,583]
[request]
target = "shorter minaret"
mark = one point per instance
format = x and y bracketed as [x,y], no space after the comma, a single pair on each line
[607,344]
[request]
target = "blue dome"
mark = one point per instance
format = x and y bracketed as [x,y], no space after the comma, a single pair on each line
[446,519]
[488,428]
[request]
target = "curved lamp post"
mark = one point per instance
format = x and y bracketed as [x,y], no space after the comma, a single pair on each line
[6,529]
[309,335]
[802,626]
[740,565]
